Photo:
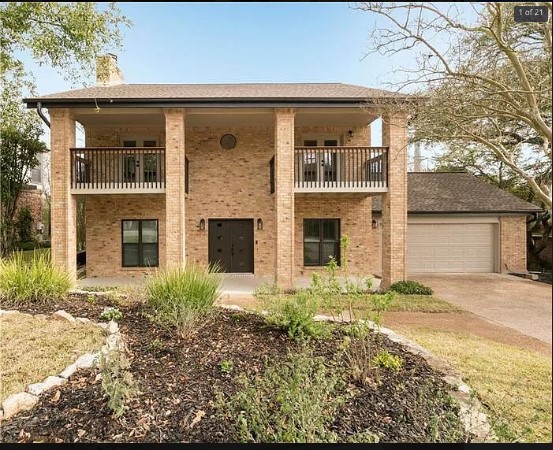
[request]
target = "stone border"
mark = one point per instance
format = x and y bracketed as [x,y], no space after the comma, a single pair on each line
[475,421]
[26,400]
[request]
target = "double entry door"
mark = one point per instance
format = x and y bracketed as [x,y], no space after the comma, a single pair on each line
[231,244]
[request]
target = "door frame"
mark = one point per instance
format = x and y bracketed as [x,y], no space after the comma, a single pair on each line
[233,219]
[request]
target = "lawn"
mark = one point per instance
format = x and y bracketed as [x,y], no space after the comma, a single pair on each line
[32,349]
[514,384]
[421,303]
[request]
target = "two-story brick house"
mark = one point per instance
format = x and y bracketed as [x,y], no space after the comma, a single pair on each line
[259,178]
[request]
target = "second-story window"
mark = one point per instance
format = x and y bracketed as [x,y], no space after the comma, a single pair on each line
[320,165]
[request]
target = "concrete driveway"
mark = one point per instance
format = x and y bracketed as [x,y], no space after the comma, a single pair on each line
[514,302]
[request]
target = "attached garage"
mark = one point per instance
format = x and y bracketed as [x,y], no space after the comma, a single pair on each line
[451,247]
[457,223]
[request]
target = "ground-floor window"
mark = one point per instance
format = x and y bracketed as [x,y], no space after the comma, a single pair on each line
[321,239]
[140,243]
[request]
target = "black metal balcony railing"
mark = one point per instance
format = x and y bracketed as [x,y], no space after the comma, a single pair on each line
[347,169]
[117,168]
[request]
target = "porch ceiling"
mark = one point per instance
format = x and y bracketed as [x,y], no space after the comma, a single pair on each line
[221,117]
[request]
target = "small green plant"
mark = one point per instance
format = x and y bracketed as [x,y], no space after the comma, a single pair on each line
[267,290]
[117,381]
[156,344]
[295,315]
[295,400]
[388,361]
[111,313]
[226,366]
[410,287]
[91,299]
[34,281]
[183,297]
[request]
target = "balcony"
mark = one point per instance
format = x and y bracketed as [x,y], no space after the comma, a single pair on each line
[115,170]
[341,169]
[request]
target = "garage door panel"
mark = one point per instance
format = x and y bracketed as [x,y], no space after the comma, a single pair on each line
[450,247]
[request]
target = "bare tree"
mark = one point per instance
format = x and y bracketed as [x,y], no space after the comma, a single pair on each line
[481,80]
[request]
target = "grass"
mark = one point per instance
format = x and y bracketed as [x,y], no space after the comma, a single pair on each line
[422,303]
[514,384]
[36,280]
[32,349]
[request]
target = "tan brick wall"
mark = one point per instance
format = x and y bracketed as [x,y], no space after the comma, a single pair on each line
[284,196]
[104,214]
[175,220]
[394,202]
[231,184]
[354,212]
[513,243]
[63,204]
[360,136]
[113,136]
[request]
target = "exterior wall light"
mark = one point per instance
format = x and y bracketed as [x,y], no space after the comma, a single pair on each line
[374,224]
[201,225]
[350,133]
[259,224]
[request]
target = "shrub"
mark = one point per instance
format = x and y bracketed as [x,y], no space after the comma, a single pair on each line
[182,297]
[117,382]
[24,225]
[292,401]
[111,314]
[295,315]
[266,290]
[388,361]
[36,280]
[411,288]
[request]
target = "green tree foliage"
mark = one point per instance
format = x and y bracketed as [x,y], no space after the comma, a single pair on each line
[481,81]
[65,35]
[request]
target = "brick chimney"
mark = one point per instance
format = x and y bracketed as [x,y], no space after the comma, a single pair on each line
[107,72]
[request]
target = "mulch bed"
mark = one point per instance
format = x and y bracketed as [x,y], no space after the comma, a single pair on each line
[176,379]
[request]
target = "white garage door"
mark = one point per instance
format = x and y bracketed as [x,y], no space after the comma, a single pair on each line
[451,247]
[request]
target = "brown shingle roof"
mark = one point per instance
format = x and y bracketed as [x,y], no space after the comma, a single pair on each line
[457,192]
[224,92]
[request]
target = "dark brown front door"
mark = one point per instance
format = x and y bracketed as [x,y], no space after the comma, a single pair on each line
[231,244]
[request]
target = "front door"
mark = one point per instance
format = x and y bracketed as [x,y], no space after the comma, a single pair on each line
[231,244]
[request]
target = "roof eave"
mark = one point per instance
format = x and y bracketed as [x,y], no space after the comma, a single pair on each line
[202,102]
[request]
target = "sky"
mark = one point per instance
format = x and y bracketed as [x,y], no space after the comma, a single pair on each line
[243,42]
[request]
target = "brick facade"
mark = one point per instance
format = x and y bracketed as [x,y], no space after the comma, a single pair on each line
[63,204]
[354,212]
[513,243]
[394,202]
[104,214]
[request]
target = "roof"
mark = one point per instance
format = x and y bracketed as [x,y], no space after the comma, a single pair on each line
[457,192]
[222,93]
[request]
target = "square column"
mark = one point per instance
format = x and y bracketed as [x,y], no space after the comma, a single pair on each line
[284,196]
[174,187]
[63,204]
[394,202]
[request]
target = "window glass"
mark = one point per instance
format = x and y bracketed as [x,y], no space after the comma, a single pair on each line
[149,143]
[311,230]
[321,240]
[310,143]
[149,255]
[130,231]
[130,255]
[129,143]
[149,231]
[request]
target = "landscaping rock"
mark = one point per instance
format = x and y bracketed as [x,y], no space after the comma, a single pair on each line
[112,342]
[4,312]
[82,320]
[103,325]
[41,316]
[16,403]
[112,327]
[46,385]
[69,370]
[86,361]
[62,315]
